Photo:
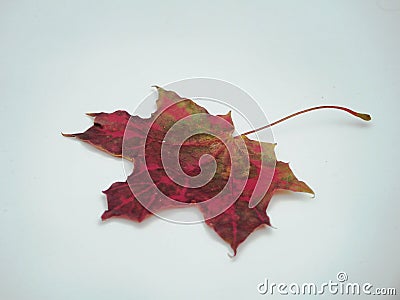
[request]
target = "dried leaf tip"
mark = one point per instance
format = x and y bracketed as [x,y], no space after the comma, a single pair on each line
[232,256]
[67,134]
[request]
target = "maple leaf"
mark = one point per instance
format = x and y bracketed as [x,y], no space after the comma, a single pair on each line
[231,179]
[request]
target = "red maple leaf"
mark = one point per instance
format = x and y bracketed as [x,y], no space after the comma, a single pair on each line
[221,174]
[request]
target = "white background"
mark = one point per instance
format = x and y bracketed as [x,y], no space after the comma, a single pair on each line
[61,59]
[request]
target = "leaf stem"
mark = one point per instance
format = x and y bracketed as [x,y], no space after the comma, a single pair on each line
[365,117]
